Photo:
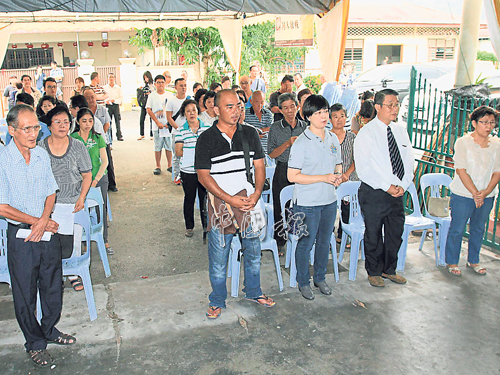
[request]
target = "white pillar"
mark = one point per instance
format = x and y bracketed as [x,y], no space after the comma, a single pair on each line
[469,37]
[85,69]
[128,82]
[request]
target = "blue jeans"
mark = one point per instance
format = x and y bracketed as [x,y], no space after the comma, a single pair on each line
[463,209]
[218,253]
[319,222]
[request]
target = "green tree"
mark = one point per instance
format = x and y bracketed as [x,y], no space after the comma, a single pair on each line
[486,56]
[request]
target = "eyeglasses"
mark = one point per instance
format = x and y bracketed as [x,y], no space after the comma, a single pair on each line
[321,112]
[392,105]
[51,86]
[29,129]
[491,123]
[244,83]
[59,122]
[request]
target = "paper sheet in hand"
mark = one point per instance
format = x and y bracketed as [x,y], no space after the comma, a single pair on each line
[164,132]
[63,215]
[24,233]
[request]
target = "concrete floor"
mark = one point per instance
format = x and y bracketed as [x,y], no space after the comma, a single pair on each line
[436,324]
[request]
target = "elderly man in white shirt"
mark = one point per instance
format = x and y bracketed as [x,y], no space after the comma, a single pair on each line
[384,160]
[113,102]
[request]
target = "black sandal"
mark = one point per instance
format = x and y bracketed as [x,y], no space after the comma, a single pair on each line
[77,284]
[63,339]
[41,357]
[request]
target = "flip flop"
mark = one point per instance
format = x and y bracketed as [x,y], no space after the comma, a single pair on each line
[213,312]
[157,171]
[63,339]
[263,300]
[477,269]
[77,284]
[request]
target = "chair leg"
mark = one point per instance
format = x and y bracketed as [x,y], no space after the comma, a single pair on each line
[288,252]
[443,236]
[277,265]
[343,243]
[333,248]
[402,250]
[353,262]
[311,254]
[89,293]
[293,266]
[38,308]
[422,240]
[235,268]
[101,247]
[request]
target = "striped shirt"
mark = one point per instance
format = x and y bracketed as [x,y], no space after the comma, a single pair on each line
[280,132]
[347,152]
[25,187]
[68,169]
[224,157]
[99,90]
[267,120]
[188,139]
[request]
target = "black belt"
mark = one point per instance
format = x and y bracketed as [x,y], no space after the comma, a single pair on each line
[21,225]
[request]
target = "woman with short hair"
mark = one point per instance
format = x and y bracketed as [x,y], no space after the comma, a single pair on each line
[473,190]
[209,116]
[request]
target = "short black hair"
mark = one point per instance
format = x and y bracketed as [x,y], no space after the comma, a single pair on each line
[367,95]
[78,101]
[160,76]
[287,78]
[482,111]
[39,110]
[26,75]
[187,102]
[13,115]
[287,96]
[235,87]
[178,80]
[214,86]
[199,94]
[241,94]
[58,109]
[93,75]
[53,62]
[253,66]
[224,79]
[380,96]
[302,93]
[196,84]
[313,104]
[337,107]
[208,95]
[25,99]
[367,109]
[48,79]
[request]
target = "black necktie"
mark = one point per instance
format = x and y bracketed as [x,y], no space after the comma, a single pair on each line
[396,161]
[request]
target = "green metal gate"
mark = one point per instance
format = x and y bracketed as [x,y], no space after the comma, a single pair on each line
[435,120]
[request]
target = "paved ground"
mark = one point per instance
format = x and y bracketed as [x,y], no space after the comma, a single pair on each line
[437,324]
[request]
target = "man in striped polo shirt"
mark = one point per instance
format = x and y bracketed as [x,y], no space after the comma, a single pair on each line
[220,164]
[259,117]
[100,93]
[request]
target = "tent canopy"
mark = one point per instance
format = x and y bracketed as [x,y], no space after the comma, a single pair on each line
[171,6]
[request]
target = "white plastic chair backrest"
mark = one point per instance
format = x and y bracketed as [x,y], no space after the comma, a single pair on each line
[82,218]
[3,238]
[349,189]
[434,181]
[414,197]
[94,197]
[286,195]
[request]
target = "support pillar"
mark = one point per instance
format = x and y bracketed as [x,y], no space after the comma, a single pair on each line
[85,69]
[128,75]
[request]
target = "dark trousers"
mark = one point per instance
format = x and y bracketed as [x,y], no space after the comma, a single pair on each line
[280,180]
[191,185]
[114,111]
[344,212]
[141,122]
[381,210]
[35,266]
[111,169]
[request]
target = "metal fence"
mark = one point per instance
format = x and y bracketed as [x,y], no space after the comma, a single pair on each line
[435,120]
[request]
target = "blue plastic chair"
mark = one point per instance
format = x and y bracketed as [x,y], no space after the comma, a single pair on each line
[4,267]
[110,214]
[267,195]
[434,181]
[286,195]
[80,265]
[94,198]
[270,162]
[267,242]
[415,221]
[355,228]
[4,128]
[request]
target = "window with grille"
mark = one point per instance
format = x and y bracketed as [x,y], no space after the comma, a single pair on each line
[354,53]
[441,49]
[27,58]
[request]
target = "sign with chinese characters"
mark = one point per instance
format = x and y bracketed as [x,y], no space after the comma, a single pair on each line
[294,31]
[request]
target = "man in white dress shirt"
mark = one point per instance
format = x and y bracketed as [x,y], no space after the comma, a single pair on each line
[384,161]
[113,102]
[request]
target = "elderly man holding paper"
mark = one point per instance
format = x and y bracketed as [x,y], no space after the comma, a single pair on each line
[27,196]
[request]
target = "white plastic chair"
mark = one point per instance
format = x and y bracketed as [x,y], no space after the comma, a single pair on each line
[94,198]
[267,195]
[415,221]
[355,228]
[434,181]
[267,242]
[4,267]
[80,265]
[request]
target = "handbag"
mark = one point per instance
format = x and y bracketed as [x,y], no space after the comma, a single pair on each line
[438,206]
